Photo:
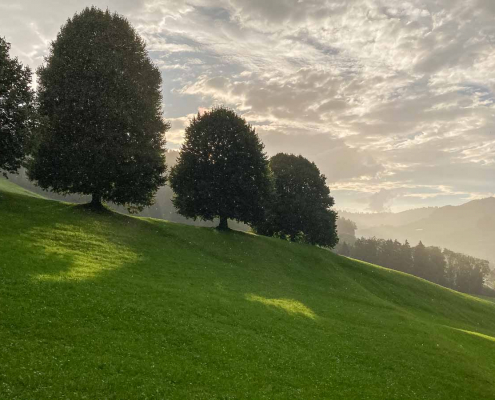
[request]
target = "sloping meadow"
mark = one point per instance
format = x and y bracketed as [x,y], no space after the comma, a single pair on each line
[102,305]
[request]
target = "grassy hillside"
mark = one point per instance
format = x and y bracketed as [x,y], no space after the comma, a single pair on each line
[162,209]
[106,306]
[8,186]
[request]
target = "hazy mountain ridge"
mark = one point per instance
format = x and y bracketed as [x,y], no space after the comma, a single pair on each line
[468,228]
[368,220]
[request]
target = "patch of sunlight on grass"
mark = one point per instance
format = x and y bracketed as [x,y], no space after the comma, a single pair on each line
[289,305]
[77,255]
[491,338]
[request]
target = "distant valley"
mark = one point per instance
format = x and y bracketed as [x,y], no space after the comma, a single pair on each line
[468,228]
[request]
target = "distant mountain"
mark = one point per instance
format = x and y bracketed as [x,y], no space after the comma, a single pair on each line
[468,228]
[369,220]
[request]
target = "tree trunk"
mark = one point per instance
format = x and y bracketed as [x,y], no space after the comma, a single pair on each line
[96,202]
[223,225]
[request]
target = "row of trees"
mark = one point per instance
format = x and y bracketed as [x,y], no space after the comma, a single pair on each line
[447,268]
[95,128]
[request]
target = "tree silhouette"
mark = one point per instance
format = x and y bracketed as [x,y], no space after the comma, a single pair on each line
[16,111]
[222,171]
[420,261]
[102,132]
[301,204]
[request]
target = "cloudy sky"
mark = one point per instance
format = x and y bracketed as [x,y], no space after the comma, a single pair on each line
[395,104]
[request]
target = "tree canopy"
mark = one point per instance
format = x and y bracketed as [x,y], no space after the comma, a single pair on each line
[102,131]
[16,111]
[301,205]
[447,268]
[222,171]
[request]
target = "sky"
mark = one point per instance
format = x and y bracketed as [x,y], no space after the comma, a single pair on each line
[393,100]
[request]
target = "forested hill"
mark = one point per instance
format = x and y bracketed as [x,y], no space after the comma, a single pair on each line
[103,304]
[468,228]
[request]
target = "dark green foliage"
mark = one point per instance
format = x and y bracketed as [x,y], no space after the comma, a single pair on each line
[222,171]
[420,261]
[429,263]
[447,268]
[301,204]
[102,131]
[465,273]
[437,265]
[406,257]
[389,254]
[16,111]
[366,250]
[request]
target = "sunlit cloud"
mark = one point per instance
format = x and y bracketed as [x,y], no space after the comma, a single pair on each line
[393,101]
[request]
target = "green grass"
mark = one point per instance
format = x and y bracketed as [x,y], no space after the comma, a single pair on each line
[105,306]
[491,299]
[8,186]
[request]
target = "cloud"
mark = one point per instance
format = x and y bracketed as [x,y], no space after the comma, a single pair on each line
[394,101]
[175,136]
[336,160]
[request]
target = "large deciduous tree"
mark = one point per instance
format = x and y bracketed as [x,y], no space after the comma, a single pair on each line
[102,132]
[301,204]
[222,171]
[16,111]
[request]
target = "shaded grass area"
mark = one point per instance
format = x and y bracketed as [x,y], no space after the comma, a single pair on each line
[107,306]
[490,299]
[8,186]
